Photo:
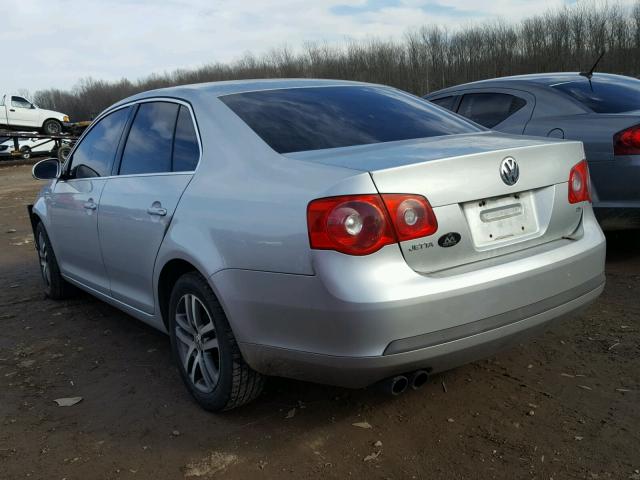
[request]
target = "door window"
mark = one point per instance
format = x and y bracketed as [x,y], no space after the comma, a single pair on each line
[150,142]
[445,102]
[20,102]
[186,150]
[95,154]
[489,109]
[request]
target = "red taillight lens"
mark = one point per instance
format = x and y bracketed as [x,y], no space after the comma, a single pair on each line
[412,215]
[363,224]
[351,224]
[627,142]
[579,187]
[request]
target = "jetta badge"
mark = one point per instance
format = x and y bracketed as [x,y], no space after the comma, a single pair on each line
[509,171]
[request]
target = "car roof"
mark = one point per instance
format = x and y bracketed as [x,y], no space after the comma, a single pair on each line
[535,80]
[218,89]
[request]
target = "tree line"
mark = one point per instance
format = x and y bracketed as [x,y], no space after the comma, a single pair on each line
[423,60]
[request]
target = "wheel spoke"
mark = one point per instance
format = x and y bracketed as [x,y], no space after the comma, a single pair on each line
[210,344]
[185,338]
[191,369]
[183,323]
[208,379]
[208,328]
[191,309]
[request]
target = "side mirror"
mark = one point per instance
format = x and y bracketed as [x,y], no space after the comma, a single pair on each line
[46,169]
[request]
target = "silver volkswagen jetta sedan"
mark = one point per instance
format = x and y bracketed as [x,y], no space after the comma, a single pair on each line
[330,231]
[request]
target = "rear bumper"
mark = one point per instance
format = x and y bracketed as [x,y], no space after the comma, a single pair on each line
[361,319]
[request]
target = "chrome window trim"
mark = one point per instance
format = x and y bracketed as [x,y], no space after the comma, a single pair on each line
[130,104]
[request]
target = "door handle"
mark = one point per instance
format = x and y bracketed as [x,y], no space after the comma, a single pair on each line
[90,205]
[12,110]
[159,211]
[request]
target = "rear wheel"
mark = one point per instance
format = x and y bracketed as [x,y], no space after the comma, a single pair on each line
[52,127]
[25,153]
[55,287]
[205,349]
[63,152]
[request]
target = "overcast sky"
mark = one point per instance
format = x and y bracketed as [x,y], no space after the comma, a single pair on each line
[56,42]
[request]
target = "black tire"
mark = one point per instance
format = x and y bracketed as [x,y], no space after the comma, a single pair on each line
[233,383]
[25,153]
[52,127]
[55,287]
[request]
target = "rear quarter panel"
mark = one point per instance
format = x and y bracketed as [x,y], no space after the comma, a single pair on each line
[246,205]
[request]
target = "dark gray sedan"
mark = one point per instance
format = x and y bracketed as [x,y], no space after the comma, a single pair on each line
[602,111]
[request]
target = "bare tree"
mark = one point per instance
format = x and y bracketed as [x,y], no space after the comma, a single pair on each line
[425,59]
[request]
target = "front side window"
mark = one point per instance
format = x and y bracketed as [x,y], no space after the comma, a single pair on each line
[95,154]
[20,102]
[605,94]
[489,109]
[150,141]
[314,118]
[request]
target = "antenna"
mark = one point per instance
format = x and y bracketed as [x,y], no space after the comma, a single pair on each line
[589,74]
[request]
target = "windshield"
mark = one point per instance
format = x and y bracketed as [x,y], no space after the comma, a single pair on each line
[315,118]
[605,94]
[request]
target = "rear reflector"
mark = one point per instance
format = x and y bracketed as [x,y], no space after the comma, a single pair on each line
[579,183]
[627,142]
[363,224]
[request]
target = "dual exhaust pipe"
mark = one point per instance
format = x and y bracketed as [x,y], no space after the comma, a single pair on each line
[399,384]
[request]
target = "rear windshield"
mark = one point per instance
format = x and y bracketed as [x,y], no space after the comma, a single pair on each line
[605,94]
[315,118]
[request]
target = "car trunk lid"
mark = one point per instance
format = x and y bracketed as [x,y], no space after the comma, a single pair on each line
[479,215]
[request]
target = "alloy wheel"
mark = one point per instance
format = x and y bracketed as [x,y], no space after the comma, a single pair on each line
[43,254]
[197,343]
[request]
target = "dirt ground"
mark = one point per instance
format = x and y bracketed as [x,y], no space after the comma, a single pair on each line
[565,405]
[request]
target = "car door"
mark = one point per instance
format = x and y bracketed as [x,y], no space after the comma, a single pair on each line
[502,109]
[74,204]
[137,205]
[21,112]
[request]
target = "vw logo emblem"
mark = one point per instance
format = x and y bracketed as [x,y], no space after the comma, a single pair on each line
[509,171]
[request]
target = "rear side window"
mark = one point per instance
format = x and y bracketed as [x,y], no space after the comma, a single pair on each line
[185,147]
[489,109]
[150,141]
[314,118]
[95,154]
[605,94]
[445,102]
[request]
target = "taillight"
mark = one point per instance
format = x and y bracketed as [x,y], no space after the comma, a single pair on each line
[363,224]
[579,188]
[627,142]
[412,215]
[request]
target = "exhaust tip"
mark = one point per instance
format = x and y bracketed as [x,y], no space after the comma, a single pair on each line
[419,379]
[399,385]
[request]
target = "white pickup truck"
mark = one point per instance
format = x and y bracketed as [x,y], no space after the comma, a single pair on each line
[16,112]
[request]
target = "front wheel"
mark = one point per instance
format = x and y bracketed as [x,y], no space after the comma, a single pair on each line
[52,127]
[205,349]
[55,287]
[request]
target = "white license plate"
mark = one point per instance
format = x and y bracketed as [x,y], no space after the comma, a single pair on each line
[500,220]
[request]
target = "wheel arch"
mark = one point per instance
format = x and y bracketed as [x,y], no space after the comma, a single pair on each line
[171,271]
[46,119]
